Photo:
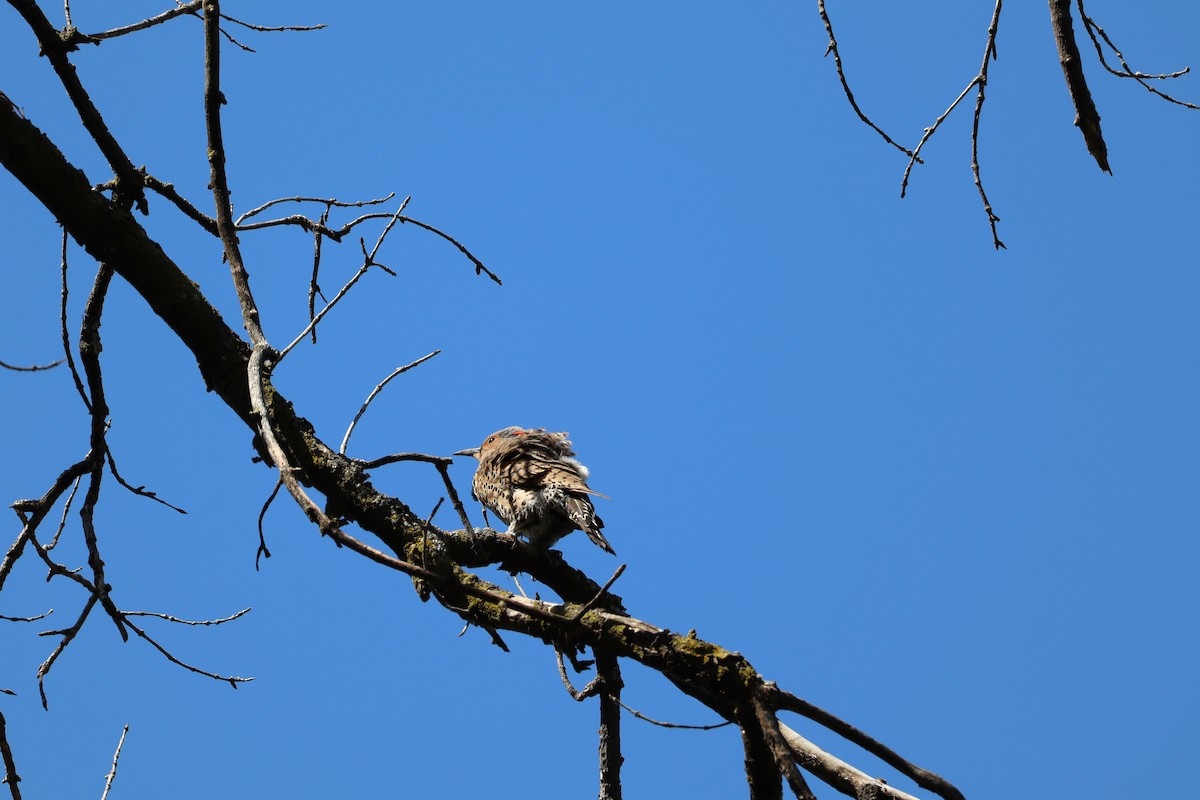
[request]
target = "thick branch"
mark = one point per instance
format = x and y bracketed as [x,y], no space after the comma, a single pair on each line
[1087,119]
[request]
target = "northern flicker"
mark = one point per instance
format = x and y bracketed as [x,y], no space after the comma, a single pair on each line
[529,478]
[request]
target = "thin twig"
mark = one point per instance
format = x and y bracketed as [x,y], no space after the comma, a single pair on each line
[374,392]
[112,774]
[213,100]
[170,618]
[232,680]
[314,288]
[67,634]
[398,457]
[168,191]
[43,615]
[368,262]
[837,61]
[675,725]
[586,607]
[140,491]
[185,8]
[32,368]
[443,469]
[262,539]
[274,28]
[983,74]
[10,766]
[479,267]
[1094,30]
[590,690]
[932,129]
[66,336]
[328,202]
[62,522]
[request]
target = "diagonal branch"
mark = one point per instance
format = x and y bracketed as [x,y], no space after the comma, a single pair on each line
[837,61]
[213,100]
[1096,33]
[55,48]
[786,701]
[10,766]
[1087,118]
[112,773]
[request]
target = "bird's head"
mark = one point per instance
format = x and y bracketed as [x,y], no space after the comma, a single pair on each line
[497,439]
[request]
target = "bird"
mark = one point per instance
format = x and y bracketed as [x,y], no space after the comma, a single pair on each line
[530,479]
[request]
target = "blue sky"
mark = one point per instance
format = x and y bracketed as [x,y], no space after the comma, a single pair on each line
[945,492]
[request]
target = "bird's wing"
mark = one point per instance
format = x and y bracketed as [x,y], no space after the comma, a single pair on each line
[535,473]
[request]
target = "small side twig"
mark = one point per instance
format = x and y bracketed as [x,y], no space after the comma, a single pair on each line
[979,83]
[328,202]
[398,457]
[31,368]
[590,690]
[183,8]
[374,392]
[837,61]
[675,725]
[140,491]
[62,522]
[443,468]
[314,288]
[43,615]
[10,765]
[202,622]
[67,634]
[66,335]
[262,539]
[168,191]
[590,604]
[112,773]
[368,262]
[232,680]
[983,74]
[1095,32]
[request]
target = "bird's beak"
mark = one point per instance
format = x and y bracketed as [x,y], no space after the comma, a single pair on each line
[470,451]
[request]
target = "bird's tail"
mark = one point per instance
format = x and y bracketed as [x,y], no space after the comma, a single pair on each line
[593,532]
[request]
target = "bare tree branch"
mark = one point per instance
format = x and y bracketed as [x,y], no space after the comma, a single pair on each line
[374,392]
[112,773]
[1087,119]
[10,767]
[203,622]
[837,61]
[128,192]
[1096,33]
[609,673]
[368,262]
[32,368]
